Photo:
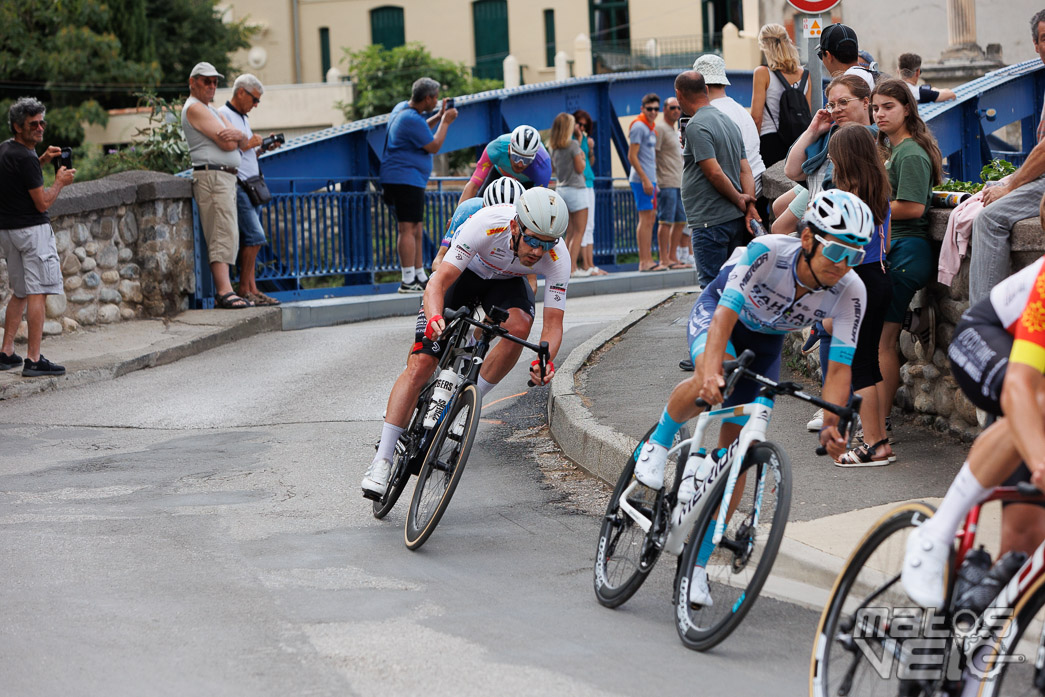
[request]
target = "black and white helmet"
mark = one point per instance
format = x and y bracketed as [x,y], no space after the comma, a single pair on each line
[841,214]
[503,190]
[542,211]
[525,141]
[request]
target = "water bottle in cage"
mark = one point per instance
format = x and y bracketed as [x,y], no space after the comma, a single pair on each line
[979,597]
[444,386]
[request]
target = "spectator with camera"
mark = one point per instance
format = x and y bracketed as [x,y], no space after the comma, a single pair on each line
[26,238]
[405,168]
[251,191]
[214,147]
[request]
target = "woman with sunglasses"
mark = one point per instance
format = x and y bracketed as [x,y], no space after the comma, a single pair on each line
[777,284]
[914,164]
[519,155]
[587,254]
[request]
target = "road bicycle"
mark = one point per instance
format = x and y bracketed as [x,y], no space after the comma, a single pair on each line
[873,640]
[743,501]
[437,453]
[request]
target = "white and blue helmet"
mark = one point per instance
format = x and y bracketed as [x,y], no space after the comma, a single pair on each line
[503,190]
[841,214]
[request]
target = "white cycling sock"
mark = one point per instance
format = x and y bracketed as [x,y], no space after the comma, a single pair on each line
[964,493]
[389,435]
[408,274]
[420,274]
[484,387]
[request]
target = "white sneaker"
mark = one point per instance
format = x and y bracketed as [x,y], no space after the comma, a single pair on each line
[649,469]
[817,422]
[924,570]
[699,593]
[377,475]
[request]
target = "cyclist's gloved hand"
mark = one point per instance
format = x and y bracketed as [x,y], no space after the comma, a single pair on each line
[833,441]
[535,373]
[435,327]
[711,389]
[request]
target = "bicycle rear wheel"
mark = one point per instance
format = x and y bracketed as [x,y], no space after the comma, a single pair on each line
[853,629]
[443,466]
[738,567]
[626,553]
[1014,664]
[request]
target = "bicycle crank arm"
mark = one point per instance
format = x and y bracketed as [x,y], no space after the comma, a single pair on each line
[641,520]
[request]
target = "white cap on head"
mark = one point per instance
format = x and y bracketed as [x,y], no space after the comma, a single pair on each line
[713,68]
[205,69]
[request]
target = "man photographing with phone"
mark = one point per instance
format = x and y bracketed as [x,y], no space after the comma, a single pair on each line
[26,238]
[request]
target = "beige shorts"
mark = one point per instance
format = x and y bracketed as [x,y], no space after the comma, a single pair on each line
[215,194]
[32,260]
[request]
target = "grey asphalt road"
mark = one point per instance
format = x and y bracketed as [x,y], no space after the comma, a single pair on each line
[198,529]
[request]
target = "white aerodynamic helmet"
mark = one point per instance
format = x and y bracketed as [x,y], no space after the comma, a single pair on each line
[542,211]
[503,190]
[841,214]
[525,141]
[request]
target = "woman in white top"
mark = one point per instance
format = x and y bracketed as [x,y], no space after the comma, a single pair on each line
[781,55]
[568,163]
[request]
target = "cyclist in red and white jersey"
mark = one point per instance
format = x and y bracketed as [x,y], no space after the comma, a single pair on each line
[489,260]
[998,359]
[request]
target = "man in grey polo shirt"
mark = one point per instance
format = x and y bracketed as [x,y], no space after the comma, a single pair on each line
[214,146]
[26,237]
[718,190]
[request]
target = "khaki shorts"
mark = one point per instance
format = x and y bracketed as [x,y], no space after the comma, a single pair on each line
[215,194]
[32,260]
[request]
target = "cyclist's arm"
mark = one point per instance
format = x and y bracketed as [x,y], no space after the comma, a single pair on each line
[722,323]
[435,295]
[552,333]
[1019,402]
[836,391]
[482,169]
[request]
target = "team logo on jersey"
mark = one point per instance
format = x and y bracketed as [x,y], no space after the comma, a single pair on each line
[464,246]
[1033,317]
[558,288]
[496,230]
[553,255]
[497,252]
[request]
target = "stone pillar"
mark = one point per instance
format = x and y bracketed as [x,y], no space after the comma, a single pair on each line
[562,66]
[961,31]
[582,65]
[510,65]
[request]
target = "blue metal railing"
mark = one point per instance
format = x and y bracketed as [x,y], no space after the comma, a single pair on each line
[344,234]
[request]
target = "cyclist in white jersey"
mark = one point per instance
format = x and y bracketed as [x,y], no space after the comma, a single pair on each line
[778,284]
[489,260]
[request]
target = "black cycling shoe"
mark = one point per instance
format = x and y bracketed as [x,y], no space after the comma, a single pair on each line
[686,364]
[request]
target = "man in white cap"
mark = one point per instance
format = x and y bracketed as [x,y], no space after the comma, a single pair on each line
[713,68]
[214,146]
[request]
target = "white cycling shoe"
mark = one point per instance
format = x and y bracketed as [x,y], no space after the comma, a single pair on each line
[699,593]
[925,570]
[377,476]
[649,469]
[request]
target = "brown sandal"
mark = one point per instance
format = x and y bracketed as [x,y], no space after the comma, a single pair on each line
[262,300]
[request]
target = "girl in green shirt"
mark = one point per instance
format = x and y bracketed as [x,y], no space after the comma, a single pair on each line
[914,165]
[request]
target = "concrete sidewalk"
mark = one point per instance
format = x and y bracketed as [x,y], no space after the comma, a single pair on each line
[621,381]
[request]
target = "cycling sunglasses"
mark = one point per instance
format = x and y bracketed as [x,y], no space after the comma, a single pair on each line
[519,158]
[836,252]
[546,245]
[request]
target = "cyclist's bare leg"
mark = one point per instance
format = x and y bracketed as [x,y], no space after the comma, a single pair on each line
[993,456]
[505,354]
[408,386]
[1022,527]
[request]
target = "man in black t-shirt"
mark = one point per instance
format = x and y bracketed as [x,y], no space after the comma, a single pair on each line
[26,238]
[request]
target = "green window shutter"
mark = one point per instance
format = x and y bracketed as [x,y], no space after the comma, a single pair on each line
[549,37]
[324,51]
[490,25]
[387,27]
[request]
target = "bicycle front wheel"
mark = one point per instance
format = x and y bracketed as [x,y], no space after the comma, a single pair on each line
[737,568]
[626,554]
[852,645]
[443,466]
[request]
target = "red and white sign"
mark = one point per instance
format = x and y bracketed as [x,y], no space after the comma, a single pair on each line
[813,7]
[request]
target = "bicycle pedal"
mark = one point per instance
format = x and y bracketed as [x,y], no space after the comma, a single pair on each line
[372,495]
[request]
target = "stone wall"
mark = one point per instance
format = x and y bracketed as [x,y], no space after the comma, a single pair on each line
[126,248]
[926,386]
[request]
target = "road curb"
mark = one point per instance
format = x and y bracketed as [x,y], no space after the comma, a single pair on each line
[254,323]
[602,451]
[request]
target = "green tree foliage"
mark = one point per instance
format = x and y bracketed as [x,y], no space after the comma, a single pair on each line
[189,31]
[382,77]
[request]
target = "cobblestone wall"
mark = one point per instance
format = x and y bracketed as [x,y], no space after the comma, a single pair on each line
[125,244]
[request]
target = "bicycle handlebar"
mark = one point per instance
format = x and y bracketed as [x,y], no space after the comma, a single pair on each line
[734,370]
[464,313]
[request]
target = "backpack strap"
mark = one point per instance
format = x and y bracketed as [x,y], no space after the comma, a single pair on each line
[802,83]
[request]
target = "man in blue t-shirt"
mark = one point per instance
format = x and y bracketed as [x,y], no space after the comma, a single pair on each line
[642,156]
[405,168]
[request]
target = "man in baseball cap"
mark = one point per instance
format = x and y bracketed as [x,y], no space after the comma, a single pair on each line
[840,52]
[204,69]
